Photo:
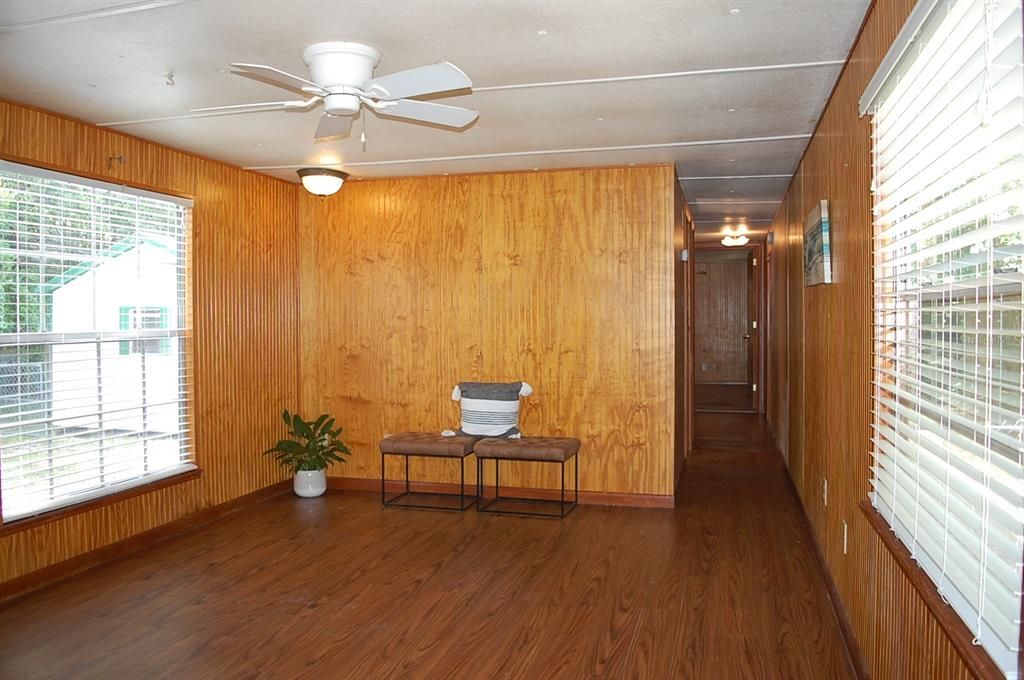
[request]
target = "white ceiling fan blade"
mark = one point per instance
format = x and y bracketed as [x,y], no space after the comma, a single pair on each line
[441,77]
[278,77]
[333,126]
[213,111]
[429,112]
[263,106]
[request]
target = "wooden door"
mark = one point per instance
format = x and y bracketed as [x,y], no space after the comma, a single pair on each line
[722,318]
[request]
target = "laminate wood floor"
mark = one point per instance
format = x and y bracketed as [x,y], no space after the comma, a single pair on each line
[724,586]
[723,397]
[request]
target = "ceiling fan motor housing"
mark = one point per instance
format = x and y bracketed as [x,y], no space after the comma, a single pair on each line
[337,66]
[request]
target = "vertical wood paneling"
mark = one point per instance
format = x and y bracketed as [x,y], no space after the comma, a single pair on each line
[721,320]
[245,323]
[391,321]
[794,242]
[684,329]
[564,279]
[827,359]
[778,320]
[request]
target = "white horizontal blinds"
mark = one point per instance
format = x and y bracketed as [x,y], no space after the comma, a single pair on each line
[948,426]
[93,340]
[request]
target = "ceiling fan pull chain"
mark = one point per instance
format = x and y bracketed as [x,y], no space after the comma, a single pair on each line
[362,135]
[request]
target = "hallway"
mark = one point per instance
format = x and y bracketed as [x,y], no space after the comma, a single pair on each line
[757,555]
[726,586]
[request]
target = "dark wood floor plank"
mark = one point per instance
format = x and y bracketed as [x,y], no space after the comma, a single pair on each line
[724,586]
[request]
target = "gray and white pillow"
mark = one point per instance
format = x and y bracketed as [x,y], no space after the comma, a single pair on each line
[490,409]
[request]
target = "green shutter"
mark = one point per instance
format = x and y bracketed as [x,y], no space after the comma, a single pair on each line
[125,317]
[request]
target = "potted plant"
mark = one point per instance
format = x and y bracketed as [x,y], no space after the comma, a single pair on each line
[314,446]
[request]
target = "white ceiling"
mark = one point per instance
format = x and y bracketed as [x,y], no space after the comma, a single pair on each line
[107,60]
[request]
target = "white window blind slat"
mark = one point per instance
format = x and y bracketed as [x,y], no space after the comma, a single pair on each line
[942,88]
[962,570]
[945,517]
[954,428]
[966,225]
[943,154]
[957,166]
[99,492]
[902,133]
[94,380]
[1005,521]
[22,463]
[947,452]
[924,216]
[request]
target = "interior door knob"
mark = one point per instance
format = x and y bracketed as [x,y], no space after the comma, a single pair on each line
[747,336]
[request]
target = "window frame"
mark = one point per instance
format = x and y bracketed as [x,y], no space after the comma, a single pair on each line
[148,483]
[916,32]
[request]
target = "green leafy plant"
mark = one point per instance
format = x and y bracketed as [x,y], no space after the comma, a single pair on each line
[314,447]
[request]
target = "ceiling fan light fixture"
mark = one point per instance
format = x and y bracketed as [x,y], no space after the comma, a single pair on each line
[322,181]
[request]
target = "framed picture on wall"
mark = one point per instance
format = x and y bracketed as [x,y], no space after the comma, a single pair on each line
[817,253]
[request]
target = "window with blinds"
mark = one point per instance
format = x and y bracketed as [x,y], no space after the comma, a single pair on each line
[948,139]
[94,378]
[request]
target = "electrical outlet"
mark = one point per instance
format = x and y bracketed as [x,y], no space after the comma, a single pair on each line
[845,541]
[824,492]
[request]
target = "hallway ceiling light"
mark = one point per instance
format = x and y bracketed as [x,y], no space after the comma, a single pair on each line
[735,236]
[322,181]
[740,240]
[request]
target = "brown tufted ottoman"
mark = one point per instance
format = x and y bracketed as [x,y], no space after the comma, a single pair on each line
[534,449]
[430,445]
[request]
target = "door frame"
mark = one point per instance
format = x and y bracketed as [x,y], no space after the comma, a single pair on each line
[760,345]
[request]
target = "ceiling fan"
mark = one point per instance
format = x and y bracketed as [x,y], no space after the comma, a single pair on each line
[341,77]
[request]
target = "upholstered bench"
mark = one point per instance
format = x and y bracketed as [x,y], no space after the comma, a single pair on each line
[533,449]
[429,445]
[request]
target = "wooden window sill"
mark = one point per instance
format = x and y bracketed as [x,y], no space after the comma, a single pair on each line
[974,656]
[93,503]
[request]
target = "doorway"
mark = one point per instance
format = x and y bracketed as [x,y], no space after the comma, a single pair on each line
[727,329]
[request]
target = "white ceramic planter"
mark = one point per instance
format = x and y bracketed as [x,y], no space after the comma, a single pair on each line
[310,483]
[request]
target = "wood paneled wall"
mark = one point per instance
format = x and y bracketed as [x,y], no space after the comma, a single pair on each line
[720,319]
[245,323]
[684,331]
[565,279]
[821,369]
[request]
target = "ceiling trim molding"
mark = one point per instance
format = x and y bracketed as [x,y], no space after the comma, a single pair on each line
[723,222]
[540,152]
[730,202]
[86,15]
[719,177]
[496,88]
[658,76]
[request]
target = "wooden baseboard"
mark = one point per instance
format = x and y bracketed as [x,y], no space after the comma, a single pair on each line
[853,649]
[631,500]
[23,585]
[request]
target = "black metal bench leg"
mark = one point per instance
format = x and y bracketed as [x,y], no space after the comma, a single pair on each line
[576,467]
[410,496]
[561,499]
